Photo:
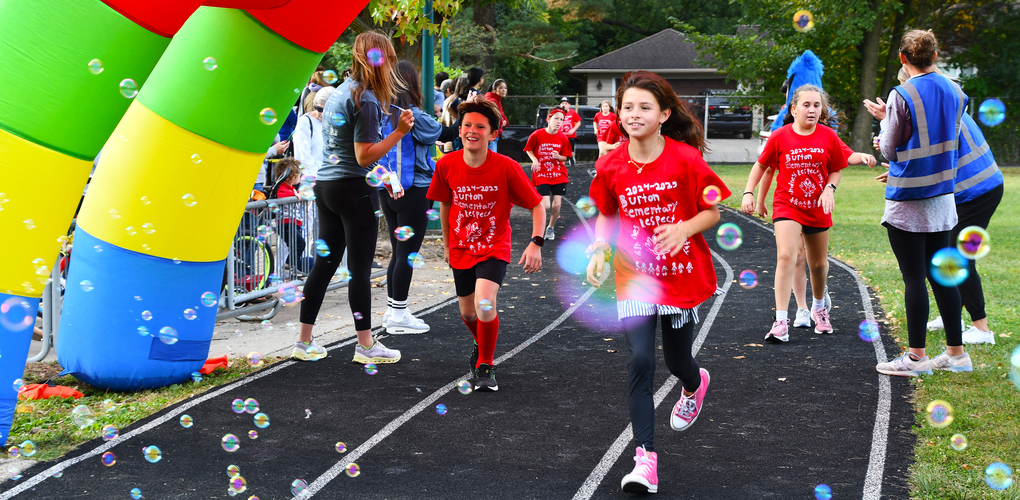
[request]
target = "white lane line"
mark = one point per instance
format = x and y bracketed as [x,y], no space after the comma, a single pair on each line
[616,449]
[46,474]
[591,234]
[880,434]
[338,468]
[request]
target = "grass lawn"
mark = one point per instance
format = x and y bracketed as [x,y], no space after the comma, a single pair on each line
[986,404]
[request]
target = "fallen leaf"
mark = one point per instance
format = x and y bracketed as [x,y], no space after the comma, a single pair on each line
[782,379]
[753,345]
[739,357]
[607,340]
[610,350]
[542,297]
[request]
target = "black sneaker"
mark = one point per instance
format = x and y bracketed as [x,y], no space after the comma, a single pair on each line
[474,359]
[485,378]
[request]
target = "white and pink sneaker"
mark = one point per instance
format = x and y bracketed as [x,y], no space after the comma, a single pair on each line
[686,411]
[822,323]
[645,476]
[780,331]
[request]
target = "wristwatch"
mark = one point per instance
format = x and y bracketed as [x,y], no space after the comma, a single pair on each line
[538,240]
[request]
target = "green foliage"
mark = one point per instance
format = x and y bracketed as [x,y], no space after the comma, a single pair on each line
[408,19]
[338,57]
[454,72]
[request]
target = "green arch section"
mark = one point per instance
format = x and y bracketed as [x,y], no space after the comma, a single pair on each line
[255,69]
[47,94]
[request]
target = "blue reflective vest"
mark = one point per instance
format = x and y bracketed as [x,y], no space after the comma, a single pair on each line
[976,171]
[925,165]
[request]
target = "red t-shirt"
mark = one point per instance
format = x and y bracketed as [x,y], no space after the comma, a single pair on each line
[546,147]
[480,200]
[569,119]
[289,212]
[667,191]
[614,136]
[604,122]
[803,164]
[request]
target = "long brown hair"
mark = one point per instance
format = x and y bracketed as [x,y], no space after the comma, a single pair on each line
[824,117]
[681,125]
[380,78]
[410,95]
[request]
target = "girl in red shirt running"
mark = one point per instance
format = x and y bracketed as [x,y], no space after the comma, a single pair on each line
[808,159]
[476,189]
[653,186]
[548,149]
[603,121]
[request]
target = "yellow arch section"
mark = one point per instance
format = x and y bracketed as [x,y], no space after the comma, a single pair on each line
[30,229]
[152,195]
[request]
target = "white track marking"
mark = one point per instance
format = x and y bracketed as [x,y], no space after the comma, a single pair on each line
[616,449]
[880,434]
[338,468]
[46,474]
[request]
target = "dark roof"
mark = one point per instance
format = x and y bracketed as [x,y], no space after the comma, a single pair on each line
[667,49]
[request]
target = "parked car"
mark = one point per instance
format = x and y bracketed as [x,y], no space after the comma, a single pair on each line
[726,115]
[514,137]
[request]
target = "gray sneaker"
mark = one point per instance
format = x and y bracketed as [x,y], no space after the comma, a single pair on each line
[803,319]
[550,234]
[308,352]
[408,325]
[378,353]
[903,366]
[945,362]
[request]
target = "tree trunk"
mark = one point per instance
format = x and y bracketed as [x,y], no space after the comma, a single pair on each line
[892,60]
[485,15]
[860,134]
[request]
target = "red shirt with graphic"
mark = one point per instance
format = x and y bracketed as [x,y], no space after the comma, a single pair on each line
[667,191]
[604,122]
[803,164]
[614,136]
[569,119]
[546,147]
[480,200]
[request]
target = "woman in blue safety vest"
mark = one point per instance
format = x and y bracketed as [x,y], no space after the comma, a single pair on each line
[920,126]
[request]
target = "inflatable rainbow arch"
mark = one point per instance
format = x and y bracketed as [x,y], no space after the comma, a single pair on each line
[178,164]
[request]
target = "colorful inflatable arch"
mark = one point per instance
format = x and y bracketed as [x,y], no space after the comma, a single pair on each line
[178,163]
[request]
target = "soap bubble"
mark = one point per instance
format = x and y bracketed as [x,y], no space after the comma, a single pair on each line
[330,76]
[251,405]
[233,471]
[15,473]
[136,493]
[949,267]
[729,236]
[334,159]
[95,66]
[209,299]
[823,492]
[587,207]
[255,358]
[209,63]
[375,57]
[110,432]
[253,434]
[189,200]
[958,442]
[358,316]
[464,387]
[940,413]
[19,385]
[868,331]
[143,331]
[371,369]
[16,314]
[298,486]
[230,443]
[748,279]
[14,452]
[237,485]
[148,228]
[186,421]
[145,200]
[28,448]
[261,420]
[146,315]
[190,314]
[128,88]
[992,112]
[109,458]
[58,473]
[237,405]
[267,116]
[415,260]
[339,120]
[404,233]
[353,470]
[712,195]
[321,248]
[343,273]
[973,242]
[168,335]
[803,21]
[152,454]
[441,409]
[485,304]
[341,447]
[373,179]
[86,285]
[196,376]
[432,214]
[998,476]
[81,416]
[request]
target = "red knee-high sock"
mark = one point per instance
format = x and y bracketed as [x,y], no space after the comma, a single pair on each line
[487,333]
[473,326]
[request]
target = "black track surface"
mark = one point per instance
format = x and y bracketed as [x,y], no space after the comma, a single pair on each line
[778,419]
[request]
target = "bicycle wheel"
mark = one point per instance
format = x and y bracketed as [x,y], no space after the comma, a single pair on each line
[253,263]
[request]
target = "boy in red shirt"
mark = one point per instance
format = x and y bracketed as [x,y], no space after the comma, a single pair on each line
[476,189]
[548,149]
[571,122]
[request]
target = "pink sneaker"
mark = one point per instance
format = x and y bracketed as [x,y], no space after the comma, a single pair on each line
[780,331]
[821,317]
[645,477]
[686,411]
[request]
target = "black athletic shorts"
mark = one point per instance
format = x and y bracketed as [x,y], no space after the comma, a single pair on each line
[491,269]
[803,228]
[552,189]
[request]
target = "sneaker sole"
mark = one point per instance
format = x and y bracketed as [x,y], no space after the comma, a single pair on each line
[989,341]
[404,330]
[637,485]
[802,325]
[777,339]
[820,332]
[364,360]
[487,388]
[956,369]
[914,373]
[300,355]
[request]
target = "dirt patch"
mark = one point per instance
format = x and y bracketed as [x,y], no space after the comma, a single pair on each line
[37,373]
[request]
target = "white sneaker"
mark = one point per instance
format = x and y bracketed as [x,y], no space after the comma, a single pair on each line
[945,362]
[378,353]
[308,352]
[550,234]
[828,300]
[903,366]
[974,335]
[408,325]
[386,316]
[937,324]
[803,319]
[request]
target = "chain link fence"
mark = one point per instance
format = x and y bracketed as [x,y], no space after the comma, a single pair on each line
[731,125]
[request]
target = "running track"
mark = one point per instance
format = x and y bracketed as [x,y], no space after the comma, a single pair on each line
[778,419]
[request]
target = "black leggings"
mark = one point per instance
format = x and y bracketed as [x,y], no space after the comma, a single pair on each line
[914,252]
[976,212]
[346,221]
[409,210]
[676,349]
